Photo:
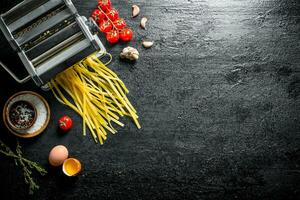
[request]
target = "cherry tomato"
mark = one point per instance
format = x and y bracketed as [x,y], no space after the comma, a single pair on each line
[105,5]
[112,14]
[119,23]
[98,15]
[112,36]
[105,26]
[126,34]
[65,123]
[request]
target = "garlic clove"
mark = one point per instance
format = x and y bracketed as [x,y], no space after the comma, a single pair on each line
[135,10]
[147,44]
[135,56]
[143,22]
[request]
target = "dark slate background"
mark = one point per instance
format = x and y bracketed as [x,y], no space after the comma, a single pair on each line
[218,99]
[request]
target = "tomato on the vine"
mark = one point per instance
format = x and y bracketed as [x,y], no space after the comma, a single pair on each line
[119,23]
[104,4]
[105,26]
[112,14]
[112,36]
[98,15]
[109,22]
[65,123]
[126,34]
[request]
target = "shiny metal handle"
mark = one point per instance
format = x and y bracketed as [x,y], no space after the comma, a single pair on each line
[94,28]
[13,75]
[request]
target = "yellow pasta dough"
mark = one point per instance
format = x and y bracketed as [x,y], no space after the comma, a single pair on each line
[97,94]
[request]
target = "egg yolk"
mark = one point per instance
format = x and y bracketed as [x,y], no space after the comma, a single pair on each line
[72,167]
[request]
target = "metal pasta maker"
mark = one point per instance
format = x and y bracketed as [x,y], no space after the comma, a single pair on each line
[48,36]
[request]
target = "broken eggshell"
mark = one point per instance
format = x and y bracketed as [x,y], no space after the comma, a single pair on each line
[71,167]
[130,53]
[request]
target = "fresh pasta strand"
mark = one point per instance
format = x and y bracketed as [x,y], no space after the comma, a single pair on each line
[98,96]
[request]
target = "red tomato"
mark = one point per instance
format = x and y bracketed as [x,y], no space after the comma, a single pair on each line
[112,36]
[65,123]
[126,34]
[105,26]
[105,5]
[119,23]
[112,14]
[98,15]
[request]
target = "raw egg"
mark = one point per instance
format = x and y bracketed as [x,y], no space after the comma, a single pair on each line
[58,155]
[71,167]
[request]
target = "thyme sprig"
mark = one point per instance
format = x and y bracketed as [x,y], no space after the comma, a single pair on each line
[27,165]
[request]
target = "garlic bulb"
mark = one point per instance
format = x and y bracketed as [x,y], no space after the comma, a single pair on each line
[130,53]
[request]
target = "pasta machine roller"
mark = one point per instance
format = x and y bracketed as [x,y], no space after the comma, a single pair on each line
[48,36]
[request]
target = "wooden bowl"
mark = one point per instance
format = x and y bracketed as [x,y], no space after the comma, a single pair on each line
[42,116]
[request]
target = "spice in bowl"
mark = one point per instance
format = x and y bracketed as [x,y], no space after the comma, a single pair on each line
[21,115]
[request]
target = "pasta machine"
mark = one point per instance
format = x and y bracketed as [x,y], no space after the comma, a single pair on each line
[48,37]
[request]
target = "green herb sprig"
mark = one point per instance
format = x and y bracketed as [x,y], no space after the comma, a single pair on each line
[26,164]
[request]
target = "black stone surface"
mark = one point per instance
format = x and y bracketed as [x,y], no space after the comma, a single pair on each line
[218,99]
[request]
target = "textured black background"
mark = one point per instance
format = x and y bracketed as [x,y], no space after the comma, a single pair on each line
[218,99]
